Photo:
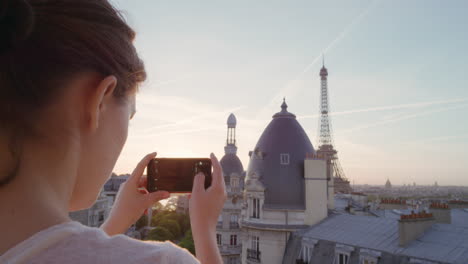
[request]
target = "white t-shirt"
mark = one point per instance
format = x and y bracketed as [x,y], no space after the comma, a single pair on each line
[74,243]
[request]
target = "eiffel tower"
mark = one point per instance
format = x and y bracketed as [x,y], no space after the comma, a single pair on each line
[326,150]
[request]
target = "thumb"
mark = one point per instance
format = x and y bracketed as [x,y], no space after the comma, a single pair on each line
[153,197]
[198,183]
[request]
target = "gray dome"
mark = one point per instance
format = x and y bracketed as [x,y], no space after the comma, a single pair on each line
[231,164]
[284,184]
[232,121]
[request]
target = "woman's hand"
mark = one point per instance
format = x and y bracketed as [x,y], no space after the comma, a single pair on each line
[205,207]
[132,200]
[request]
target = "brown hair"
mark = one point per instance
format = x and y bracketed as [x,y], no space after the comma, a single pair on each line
[43,44]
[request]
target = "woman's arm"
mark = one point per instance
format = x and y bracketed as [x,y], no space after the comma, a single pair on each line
[205,207]
[132,200]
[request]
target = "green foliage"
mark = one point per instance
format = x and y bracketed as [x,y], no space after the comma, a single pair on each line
[163,215]
[187,242]
[184,222]
[142,222]
[172,226]
[177,224]
[160,234]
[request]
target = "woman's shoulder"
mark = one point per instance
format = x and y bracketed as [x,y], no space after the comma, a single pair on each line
[93,245]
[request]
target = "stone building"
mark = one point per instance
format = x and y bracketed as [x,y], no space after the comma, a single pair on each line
[285,189]
[96,214]
[228,232]
[287,218]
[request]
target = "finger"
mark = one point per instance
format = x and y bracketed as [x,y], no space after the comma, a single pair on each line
[156,196]
[140,168]
[198,183]
[143,181]
[217,177]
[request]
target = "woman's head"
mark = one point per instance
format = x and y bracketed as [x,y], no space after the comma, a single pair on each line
[68,75]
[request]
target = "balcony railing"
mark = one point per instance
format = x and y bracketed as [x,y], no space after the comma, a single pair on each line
[253,254]
[233,225]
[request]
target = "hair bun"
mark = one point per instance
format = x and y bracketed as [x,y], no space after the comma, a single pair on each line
[16,22]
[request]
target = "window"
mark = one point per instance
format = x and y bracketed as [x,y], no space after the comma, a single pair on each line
[234,185]
[255,243]
[232,260]
[306,254]
[233,240]
[341,258]
[218,239]
[234,222]
[253,253]
[101,217]
[284,159]
[255,208]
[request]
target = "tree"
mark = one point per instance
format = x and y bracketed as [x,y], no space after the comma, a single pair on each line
[142,222]
[187,242]
[160,234]
[172,226]
[184,222]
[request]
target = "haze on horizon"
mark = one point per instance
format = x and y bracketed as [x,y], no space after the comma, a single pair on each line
[397,81]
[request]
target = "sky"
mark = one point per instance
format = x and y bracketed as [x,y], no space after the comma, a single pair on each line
[397,81]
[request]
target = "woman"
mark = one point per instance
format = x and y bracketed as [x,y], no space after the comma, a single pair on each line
[68,77]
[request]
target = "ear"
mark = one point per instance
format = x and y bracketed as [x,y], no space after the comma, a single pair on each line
[100,97]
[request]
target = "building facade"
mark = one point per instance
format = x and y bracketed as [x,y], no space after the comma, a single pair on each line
[228,232]
[285,189]
[96,214]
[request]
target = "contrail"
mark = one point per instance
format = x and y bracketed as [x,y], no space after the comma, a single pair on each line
[435,139]
[190,120]
[390,107]
[384,122]
[289,84]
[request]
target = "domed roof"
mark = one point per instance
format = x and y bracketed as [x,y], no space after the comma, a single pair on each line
[283,141]
[231,164]
[231,121]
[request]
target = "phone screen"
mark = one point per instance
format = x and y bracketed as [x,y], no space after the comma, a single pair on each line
[176,174]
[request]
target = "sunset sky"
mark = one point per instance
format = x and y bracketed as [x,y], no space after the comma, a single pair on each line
[398,81]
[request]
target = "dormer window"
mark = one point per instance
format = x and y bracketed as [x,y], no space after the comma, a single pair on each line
[234,185]
[255,208]
[284,159]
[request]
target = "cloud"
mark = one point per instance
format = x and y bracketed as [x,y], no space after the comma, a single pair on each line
[435,139]
[205,115]
[406,117]
[390,107]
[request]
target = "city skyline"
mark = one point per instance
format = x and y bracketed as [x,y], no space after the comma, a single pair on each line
[395,79]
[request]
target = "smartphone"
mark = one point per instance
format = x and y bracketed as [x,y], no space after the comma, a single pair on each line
[175,175]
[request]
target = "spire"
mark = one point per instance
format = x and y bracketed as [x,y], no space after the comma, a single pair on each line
[323,60]
[230,147]
[284,111]
[231,121]
[284,106]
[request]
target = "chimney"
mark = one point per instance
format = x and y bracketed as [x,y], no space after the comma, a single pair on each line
[441,213]
[413,226]
[391,204]
[315,177]
[458,204]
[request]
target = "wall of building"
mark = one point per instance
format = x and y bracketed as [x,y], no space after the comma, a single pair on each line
[283,217]
[272,245]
